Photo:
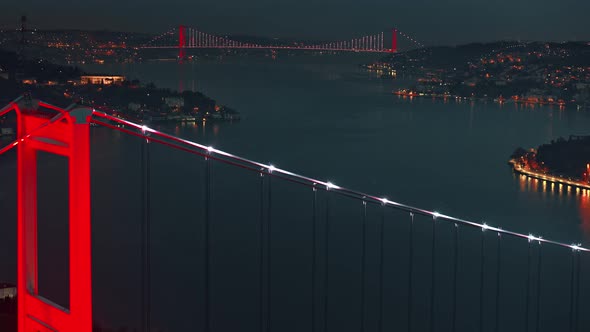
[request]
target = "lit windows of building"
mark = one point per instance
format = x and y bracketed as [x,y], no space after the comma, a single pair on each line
[7,291]
[29,81]
[101,79]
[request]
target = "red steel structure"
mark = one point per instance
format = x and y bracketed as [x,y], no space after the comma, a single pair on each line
[190,38]
[181,42]
[64,132]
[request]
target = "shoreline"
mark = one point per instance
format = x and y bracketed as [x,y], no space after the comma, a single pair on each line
[499,101]
[549,178]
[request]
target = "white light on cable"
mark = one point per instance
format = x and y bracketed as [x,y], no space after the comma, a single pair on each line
[485,227]
[271,168]
[384,200]
[531,237]
[330,185]
[575,247]
[210,149]
[436,214]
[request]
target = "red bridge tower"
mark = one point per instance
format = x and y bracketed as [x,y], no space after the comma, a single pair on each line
[181,42]
[66,134]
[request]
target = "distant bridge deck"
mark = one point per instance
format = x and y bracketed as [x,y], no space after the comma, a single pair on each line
[273,48]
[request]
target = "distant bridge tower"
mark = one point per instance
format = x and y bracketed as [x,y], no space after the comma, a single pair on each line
[181,42]
[393,40]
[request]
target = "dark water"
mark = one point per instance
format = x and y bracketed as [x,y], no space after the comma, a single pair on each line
[326,118]
[335,122]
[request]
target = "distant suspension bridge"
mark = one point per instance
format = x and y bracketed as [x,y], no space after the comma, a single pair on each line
[184,38]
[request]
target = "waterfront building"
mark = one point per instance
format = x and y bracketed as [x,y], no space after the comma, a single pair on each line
[101,79]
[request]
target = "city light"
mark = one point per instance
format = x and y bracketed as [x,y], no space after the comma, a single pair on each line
[330,186]
[531,175]
[188,37]
[539,79]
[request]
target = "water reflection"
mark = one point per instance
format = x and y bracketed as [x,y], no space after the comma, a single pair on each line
[584,210]
[562,192]
[471,110]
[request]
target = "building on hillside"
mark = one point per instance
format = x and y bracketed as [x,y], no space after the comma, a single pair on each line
[101,79]
[174,102]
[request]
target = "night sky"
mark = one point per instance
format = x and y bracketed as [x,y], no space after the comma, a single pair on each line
[433,22]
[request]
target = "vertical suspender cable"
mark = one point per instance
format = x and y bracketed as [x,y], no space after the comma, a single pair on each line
[145,237]
[498,269]
[381,270]
[261,231]
[577,322]
[143,325]
[528,286]
[207,244]
[572,294]
[538,309]
[326,260]
[455,271]
[481,278]
[313,259]
[410,268]
[363,263]
[432,273]
[268,254]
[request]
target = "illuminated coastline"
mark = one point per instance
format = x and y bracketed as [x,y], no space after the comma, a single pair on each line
[552,179]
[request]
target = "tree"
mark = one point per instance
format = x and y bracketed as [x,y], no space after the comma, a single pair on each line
[519,152]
